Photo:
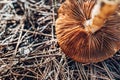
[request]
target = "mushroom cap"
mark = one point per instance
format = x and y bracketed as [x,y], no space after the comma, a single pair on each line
[81,45]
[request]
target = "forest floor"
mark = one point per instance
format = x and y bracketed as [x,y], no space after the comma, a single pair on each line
[29,49]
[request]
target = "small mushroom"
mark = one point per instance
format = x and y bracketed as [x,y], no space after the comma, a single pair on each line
[88,31]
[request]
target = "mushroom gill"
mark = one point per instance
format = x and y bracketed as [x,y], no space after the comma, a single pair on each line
[88,31]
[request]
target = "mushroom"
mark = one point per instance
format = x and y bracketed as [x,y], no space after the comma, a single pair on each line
[88,31]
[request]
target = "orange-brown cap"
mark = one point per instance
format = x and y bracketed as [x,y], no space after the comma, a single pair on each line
[82,45]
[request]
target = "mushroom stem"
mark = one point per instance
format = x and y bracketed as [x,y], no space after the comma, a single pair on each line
[101,11]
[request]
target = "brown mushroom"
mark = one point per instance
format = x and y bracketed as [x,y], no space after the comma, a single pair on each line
[88,31]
